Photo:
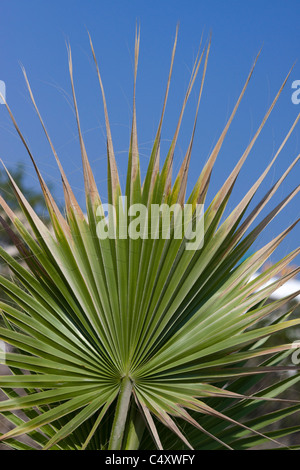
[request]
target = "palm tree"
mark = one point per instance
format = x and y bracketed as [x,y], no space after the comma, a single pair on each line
[138,342]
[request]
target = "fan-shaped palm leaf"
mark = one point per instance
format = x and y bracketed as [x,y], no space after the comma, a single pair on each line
[118,338]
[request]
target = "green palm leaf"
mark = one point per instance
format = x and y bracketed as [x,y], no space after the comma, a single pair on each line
[134,342]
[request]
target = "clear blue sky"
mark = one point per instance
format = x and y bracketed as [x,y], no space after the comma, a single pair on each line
[34,32]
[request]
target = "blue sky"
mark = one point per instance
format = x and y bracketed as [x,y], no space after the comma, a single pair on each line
[34,32]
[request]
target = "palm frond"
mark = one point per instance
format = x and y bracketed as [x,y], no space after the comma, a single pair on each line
[128,342]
